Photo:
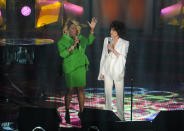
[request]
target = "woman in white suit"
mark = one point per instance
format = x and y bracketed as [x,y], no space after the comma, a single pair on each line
[112,66]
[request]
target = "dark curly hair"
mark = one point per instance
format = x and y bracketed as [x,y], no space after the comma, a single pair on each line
[119,27]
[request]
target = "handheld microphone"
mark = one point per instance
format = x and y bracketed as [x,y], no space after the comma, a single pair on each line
[78,42]
[110,39]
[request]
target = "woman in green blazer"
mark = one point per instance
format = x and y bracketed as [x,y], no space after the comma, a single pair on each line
[72,46]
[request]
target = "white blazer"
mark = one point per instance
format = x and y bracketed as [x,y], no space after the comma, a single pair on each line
[112,65]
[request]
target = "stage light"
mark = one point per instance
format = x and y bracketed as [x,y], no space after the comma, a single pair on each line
[0,14]
[171,11]
[20,17]
[49,13]
[26,11]
[38,128]
[69,7]
[172,15]
[3,3]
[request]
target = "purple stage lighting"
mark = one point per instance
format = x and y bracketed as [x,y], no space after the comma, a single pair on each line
[26,11]
[0,13]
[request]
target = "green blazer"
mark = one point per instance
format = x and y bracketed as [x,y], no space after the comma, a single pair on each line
[76,57]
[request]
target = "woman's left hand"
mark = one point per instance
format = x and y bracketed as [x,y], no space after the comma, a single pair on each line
[93,23]
[109,46]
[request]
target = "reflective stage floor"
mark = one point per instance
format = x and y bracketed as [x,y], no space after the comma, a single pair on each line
[147,103]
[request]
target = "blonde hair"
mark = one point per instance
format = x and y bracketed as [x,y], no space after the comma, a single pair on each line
[66,26]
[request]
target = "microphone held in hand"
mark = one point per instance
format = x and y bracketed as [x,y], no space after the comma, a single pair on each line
[110,39]
[78,42]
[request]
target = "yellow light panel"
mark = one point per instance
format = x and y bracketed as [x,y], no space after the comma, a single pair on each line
[2,3]
[48,14]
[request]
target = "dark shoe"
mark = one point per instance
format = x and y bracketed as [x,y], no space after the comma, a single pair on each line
[67,117]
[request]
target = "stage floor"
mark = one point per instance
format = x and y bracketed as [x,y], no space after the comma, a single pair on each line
[147,103]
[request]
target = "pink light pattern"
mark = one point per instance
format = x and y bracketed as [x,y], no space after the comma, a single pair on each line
[69,7]
[26,11]
[171,11]
[145,105]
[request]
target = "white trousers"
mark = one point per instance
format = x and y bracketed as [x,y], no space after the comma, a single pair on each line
[119,88]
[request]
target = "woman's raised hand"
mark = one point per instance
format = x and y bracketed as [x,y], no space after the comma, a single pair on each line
[93,23]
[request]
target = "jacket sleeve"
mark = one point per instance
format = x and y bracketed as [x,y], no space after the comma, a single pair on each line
[103,58]
[91,38]
[125,50]
[123,53]
[119,64]
[63,49]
